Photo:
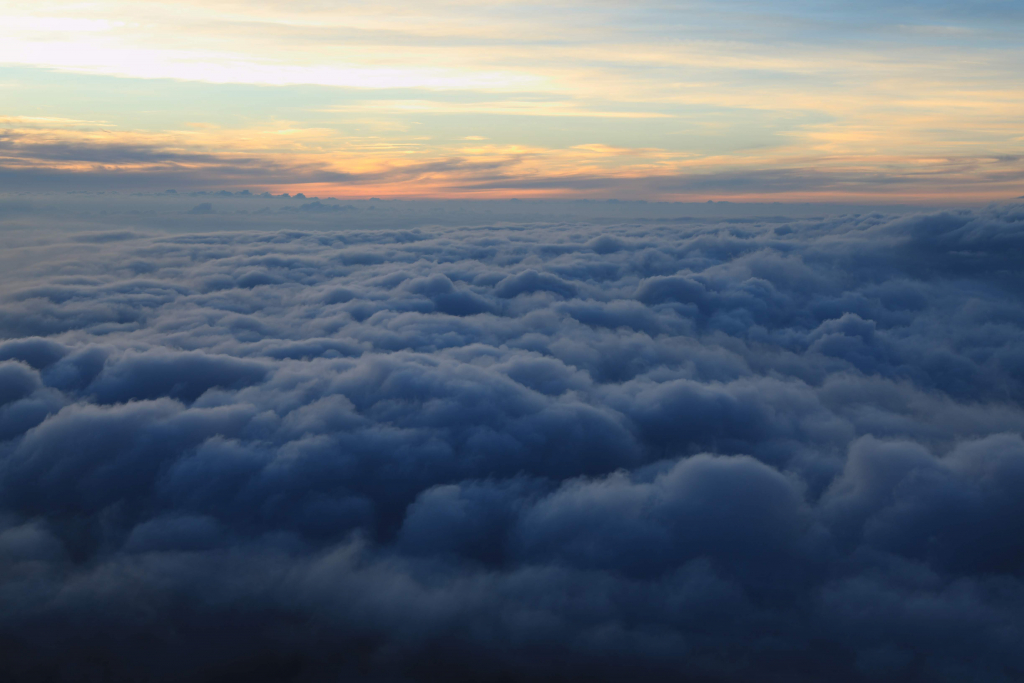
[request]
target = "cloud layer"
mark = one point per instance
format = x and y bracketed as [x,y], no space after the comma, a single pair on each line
[758,451]
[37,158]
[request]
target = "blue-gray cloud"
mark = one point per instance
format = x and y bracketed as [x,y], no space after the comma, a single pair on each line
[758,450]
[30,165]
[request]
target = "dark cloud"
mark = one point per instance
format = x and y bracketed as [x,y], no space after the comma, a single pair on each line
[558,450]
[18,146]
[30,162]
[34,161]
[980,172]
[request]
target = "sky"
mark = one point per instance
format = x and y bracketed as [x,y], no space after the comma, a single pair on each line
[794,101]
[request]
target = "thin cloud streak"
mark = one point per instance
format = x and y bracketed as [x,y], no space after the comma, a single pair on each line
[33,162]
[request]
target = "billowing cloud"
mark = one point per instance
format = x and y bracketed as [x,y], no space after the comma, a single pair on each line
[757,450]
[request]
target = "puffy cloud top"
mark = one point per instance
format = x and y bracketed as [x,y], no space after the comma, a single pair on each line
[551,451]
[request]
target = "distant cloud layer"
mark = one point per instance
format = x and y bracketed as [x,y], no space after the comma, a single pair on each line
[559,451]
[34,160]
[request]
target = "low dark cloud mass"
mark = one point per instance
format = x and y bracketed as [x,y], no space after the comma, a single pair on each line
[711,451]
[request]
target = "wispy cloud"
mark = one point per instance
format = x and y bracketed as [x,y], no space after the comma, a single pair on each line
[37,160]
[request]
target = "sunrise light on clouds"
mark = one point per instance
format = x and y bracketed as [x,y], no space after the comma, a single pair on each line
[894,102]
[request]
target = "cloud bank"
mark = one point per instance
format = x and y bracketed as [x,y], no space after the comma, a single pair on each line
[558,451]
[38,159]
